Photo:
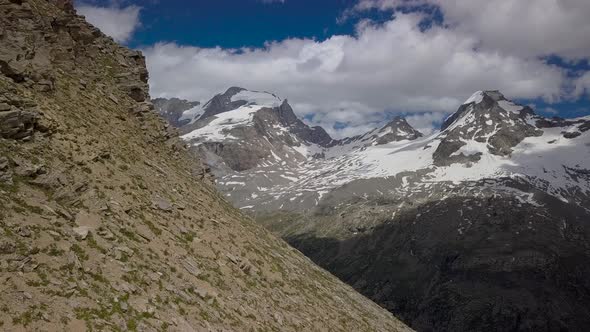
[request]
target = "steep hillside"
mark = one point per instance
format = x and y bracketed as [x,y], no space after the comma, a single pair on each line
[107,223]
[481,226]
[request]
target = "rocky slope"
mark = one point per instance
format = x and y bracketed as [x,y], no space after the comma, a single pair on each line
[107,222]
[481,226]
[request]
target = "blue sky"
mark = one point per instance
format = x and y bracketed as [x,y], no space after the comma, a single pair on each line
[350,65]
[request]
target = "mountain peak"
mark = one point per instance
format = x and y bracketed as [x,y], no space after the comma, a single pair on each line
[236,97]
[397,129]
[233,90]
[486,102]
[486,122]
[479,96]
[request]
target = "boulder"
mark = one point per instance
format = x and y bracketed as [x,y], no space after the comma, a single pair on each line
[17,124]
[81,232]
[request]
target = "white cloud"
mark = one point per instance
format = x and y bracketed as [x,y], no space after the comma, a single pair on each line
[519,27]
[426,123]
[582,85]
[119,23]
[394,66]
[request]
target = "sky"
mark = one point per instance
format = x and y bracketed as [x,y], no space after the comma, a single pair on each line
[351,65]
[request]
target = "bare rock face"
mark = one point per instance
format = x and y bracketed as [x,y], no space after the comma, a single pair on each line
[17,124]
[19,117]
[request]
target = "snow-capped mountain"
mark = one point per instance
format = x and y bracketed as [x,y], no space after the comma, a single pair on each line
[499,196]
[266,159]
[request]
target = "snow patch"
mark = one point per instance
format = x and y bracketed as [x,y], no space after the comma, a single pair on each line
[475,98]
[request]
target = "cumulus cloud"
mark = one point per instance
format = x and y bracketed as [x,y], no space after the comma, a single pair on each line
[523,27]
[393,67]
[119,23]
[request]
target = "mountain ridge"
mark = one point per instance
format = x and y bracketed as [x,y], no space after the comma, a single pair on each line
[490,212]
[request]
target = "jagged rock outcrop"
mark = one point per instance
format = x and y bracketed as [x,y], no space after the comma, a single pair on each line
[106,222]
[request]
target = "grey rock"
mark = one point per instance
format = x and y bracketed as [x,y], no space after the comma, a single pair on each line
[163,204]
[24,231]
[4,163]
[81,232]
[7,247]
[17,124]
[5,107]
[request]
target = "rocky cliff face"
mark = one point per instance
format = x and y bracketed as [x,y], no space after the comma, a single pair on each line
[105,220]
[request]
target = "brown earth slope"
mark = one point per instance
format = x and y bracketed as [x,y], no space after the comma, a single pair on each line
[104,225]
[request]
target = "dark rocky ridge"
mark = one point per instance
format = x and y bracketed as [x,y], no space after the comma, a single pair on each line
[172,109]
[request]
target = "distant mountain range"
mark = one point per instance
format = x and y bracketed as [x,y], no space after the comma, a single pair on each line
[482,225]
